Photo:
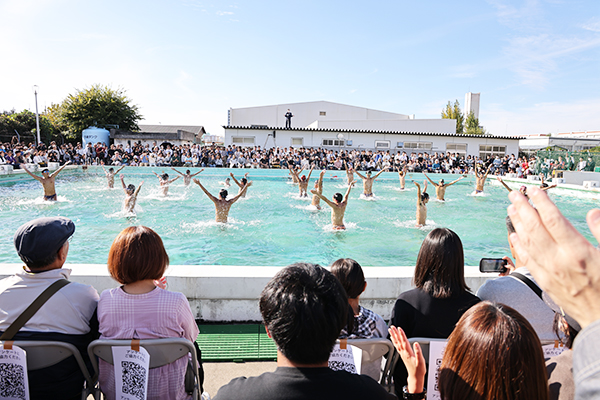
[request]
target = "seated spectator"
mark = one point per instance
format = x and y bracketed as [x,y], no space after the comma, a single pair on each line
[140,310]
[304,309]
[441,295]
[514,292]
[68,316]
[492,354]
[362,323]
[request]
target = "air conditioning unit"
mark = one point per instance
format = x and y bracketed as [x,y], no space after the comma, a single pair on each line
[533,178]
[590,184]
[558,180]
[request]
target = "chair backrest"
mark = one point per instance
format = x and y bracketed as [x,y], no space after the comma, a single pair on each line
[373,349]
[424,342]
[42,354]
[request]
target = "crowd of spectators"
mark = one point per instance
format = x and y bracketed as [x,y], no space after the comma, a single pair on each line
[165,155]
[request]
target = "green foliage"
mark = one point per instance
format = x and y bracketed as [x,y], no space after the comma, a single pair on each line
[98,106]
[24,123]
[472,125]
[454,112]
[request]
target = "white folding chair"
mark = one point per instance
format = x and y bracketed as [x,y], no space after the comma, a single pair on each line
[372,350]
[162,352]
[42,354]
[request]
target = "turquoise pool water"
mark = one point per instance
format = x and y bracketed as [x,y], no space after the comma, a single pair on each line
[272,226]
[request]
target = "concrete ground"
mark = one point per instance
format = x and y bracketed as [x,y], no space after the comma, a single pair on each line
[217,374]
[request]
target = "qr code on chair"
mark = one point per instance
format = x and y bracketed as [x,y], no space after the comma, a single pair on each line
[134,378]
[12,381]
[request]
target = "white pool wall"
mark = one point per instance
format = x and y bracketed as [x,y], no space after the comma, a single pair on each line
[230,293]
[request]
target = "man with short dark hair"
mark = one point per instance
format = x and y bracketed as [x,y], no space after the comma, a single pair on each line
[47,181]
[304,308]
[68,316]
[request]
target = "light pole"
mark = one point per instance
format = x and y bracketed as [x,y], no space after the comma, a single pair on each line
[37,116]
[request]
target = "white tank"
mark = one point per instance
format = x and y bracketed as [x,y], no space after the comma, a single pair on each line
[94,135]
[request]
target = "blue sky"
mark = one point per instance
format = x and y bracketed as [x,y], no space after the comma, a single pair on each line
[535,62]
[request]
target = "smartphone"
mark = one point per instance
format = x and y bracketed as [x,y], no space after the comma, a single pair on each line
[492,265]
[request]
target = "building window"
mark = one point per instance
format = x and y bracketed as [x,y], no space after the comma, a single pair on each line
[487,151]
[333,142]
[460,148]
[297,141]
[243,140]
[418,145]
[382,144]
[322,113]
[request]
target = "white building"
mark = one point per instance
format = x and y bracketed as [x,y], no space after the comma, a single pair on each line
[569,141]
[472,104]
[339,126]
[175,135]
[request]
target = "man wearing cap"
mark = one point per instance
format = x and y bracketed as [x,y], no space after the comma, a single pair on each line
[47,181]
[69,315]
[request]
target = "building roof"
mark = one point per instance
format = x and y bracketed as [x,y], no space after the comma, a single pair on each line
[255,127]
[198,130]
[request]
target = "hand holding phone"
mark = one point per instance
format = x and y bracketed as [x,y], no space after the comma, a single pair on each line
[497,265]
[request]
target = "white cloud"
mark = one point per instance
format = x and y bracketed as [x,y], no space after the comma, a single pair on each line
[592,25]
[224,13]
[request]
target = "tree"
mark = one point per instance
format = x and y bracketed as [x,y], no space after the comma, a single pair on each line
[24,123]
[453,112]
[98,106]
[472,125]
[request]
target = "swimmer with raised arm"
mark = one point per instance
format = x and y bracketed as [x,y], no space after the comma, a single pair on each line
[316,200]
[165,182]
[226,183]
[422,200]
[110,175]
[47,180]
[187,177]
[295,173]
[368,181]
[303,183]
[544,185]
[222,205]
[131,194]
[241,183]
[523,188]
[402,177]
[440,187]
[480,178]
[338,206]
[349,173]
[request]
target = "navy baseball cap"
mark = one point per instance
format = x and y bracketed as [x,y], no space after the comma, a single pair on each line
[40,238]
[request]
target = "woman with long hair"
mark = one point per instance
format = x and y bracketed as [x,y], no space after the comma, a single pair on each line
[138,309]
[441,295]
[493,354]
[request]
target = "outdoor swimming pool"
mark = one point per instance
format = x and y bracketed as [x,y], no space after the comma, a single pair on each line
[272,226]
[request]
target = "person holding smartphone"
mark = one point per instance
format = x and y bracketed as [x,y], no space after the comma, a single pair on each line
[514,292]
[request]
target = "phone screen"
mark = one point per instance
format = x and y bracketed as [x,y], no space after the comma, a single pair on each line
[492,265]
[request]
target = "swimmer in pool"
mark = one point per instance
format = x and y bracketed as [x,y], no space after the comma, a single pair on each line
[241,183]
[47,181]
[316,200]
[110,175]
[131,194]
[480,178]
[422,200]
[349,173]
[165,182]
[368,181]
[440,187]
[295,173]
[226,183]
[222,205]
[187,177]
[338,207]
[303,183]
[402,177]
[523,188]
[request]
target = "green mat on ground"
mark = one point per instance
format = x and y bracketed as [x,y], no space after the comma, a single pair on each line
[235,343]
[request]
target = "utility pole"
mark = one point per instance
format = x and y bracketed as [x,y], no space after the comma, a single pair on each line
[37,115]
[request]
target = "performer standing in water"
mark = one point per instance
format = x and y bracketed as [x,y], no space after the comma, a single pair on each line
[368,181]
[440,188]
[349,173]
[110,175]
[131,194]
[303,183]
[187,177]
[241,183]
[422,200]
[165,182]
[294,172]
[480,178]
[226,182]
[47,181]
[316,200]
[402,176]
[222,205]
[338,207]
[523,188]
